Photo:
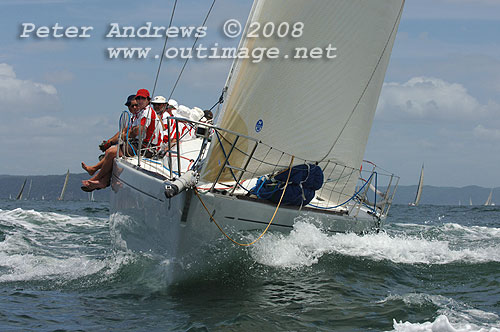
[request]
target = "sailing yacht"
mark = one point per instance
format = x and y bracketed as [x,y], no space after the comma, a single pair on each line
[488,201]
[275,119]
[20,194]
[420,186]
[63,190]
[29,189]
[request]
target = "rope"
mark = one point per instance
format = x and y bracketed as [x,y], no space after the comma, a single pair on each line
[268,225]
[194,44]
[164,47]
[350,199]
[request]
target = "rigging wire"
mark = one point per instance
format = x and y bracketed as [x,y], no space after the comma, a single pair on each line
[164,47]
[194,44]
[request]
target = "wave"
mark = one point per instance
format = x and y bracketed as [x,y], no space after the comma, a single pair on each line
[442,324]
[453,316]
[47,246]
[307,243]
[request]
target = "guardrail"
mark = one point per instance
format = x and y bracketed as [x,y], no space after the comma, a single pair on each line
[243,159]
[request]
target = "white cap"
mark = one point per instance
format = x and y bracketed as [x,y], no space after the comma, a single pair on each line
[184,112]
[197,113]
[159,100]
[173,103]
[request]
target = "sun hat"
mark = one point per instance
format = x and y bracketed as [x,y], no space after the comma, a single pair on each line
[159,100]
[173,103]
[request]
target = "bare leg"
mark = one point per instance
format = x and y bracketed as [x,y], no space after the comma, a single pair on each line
[92,169]
[101,179]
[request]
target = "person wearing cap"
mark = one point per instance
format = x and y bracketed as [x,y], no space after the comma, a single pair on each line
[159,105]
[147,119]
[171,107]
[132,105]
[143,120]
[186,131]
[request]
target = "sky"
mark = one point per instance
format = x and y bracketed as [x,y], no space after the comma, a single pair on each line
[61,96]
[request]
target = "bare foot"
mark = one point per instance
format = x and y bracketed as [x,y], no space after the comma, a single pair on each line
[88,169]
[90,185]
[97,184]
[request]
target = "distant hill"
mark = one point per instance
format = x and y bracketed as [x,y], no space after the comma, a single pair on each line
[49,186]
[447,195]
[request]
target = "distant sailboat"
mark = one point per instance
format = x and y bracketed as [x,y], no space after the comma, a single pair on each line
[470,201]
[29,189]
[91,197]
[488,201]
[20,195]
[63,191]
[419,188]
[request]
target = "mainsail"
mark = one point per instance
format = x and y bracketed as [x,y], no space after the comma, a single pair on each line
[63,191]
[419,188]
[318,110]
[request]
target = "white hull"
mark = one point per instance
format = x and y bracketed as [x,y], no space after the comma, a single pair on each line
[176,229]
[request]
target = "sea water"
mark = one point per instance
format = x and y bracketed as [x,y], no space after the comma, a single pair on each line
[434,268]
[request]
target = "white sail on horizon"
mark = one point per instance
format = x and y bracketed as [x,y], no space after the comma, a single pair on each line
[63,191]
[420,187]
[488,201]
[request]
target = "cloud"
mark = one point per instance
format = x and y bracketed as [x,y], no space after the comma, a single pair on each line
[59,76]
[431,98]
[25,95]
[486,133]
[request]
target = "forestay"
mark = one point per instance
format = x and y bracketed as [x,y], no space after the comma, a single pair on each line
[318,110]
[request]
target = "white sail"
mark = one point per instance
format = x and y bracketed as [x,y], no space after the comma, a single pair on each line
[63,191]
[318,110]
[418,195]
[29,190]
[488,201]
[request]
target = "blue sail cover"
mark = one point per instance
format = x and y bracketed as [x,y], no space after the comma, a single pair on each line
[304,181]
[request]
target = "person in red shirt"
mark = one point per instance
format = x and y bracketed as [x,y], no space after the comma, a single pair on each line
[144,119]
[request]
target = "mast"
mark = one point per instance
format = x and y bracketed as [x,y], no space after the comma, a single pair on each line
[20,195]
[63,191]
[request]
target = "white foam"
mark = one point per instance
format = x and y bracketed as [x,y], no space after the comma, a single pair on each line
[441,324]
[42,246]
[306,243]
[452,315]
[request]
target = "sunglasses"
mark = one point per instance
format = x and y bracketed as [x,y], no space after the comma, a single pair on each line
[140,97]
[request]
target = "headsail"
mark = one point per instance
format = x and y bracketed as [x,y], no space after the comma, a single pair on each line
[318,110]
